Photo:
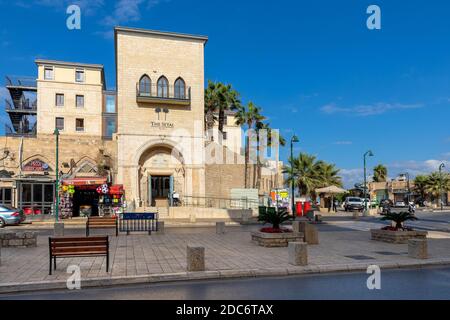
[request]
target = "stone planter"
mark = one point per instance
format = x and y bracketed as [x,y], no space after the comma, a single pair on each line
[18,239]
[264,239]
[396,236]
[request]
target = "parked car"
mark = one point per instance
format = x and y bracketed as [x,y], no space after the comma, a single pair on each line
[10,216]
[353,203]
[400,204]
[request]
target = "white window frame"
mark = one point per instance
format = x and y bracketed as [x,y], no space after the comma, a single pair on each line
[56,100]
[76,101]
[64,123]
[52,70]
[84,75]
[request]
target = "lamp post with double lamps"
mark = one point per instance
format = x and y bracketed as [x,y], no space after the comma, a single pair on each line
[367,154]
[293,140]
[56,133]
[442,165]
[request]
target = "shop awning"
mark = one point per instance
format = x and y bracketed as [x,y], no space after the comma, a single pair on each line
[88,181]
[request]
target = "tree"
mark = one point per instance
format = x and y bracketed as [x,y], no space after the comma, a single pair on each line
[435,185]
[420,185]
[248,116]
[380,173]
[399,218]
[219,98]
[328,175]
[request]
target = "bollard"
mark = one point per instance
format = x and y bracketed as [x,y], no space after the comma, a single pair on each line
[59,229]
[220,227]
[296,226]
[195,257]
[355,215]
[298,253]
[311,234]
[192,218]
[160,227]
[418,248]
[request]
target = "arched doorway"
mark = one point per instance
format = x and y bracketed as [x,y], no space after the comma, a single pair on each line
[160,173]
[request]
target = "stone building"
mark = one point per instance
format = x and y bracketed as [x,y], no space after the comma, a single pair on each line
[147,135]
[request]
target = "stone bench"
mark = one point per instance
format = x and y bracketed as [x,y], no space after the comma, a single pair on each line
[18,239]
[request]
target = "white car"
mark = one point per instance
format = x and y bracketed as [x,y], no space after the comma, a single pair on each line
[400,204]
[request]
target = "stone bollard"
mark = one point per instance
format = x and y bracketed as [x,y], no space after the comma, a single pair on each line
[59,229]
[297,226]
[220,227]
[192,218]
[418,248]
[195,258]
[298,253]
[356,215]
[160,227]
[311,234]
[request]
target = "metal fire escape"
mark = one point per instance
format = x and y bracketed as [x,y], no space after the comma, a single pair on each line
[22,107]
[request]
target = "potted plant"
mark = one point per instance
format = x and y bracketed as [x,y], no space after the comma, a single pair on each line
[275,236]
[397,233]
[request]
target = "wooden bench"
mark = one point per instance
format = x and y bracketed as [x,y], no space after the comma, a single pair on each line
[69,247]
[102,223]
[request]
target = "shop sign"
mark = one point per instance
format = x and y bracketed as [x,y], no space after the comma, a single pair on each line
[36,166]
[162,125]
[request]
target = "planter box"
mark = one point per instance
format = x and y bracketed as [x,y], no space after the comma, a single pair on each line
[18,239]
[396,236]
[264,239]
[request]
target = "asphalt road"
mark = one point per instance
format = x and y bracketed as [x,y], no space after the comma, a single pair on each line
[427,283]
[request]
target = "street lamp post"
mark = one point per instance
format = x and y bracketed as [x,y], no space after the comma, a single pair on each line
[408,196]
[442,165]
[56,133]
[293,139]
[370,154]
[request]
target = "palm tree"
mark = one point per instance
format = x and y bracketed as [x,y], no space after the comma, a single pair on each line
[420,185]
[248,116]
[305,171]
[328,175]
[399,218]
[380,173]
[435,185]
[219,98]
[281,142]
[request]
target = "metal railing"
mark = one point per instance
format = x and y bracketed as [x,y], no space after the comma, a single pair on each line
[21,105]
[220,203]
[19,81]
[163,92]
[22,132]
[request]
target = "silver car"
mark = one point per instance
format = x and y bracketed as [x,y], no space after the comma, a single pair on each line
[10,216]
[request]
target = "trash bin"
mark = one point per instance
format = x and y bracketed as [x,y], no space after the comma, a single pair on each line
[299,209]
[307,206]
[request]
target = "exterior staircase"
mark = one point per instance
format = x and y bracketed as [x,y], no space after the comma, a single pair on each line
[163,212]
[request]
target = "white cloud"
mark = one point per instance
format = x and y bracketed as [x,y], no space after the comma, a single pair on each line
[367,110]
[88,7]
[124,11]
[351,176]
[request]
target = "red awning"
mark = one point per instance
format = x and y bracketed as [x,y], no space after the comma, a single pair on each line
[88,181]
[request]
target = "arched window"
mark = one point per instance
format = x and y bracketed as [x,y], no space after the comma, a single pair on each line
[180,89]
[145,86]
[163,87]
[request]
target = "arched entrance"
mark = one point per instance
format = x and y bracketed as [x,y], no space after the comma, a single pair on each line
[161,172]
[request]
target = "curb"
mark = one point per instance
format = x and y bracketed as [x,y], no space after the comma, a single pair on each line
[8,288]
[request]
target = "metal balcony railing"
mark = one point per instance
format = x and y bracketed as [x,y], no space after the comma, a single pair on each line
[21,105]
[163,93]
[19,81]
[22,132]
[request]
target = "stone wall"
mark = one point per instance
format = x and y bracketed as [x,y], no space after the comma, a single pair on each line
[18,239]
[396,236]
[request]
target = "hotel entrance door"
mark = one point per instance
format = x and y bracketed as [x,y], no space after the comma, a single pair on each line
[160,189]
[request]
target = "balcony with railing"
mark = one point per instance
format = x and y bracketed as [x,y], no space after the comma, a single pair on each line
[26,106]
[163,95]
[21,131]
[27,83]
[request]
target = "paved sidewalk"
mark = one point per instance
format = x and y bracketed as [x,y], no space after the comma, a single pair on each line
[143,258]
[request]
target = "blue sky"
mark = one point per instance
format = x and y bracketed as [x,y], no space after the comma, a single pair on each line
[313,66]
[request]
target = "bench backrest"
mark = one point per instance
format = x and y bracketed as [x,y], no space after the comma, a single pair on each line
[106,221]
[79,244]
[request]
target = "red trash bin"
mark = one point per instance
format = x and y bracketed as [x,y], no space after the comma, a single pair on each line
[307,207]
[299,209]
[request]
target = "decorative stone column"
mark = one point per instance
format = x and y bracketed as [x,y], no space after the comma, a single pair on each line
[59,229]
[418,248]
[220,227]
[195,256]
[298,253]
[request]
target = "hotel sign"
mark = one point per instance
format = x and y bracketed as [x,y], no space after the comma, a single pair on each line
[36,166]
[162,125]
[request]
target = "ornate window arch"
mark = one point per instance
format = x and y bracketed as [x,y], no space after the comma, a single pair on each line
[180,89]
[145,85]
[163,87]
[86,167]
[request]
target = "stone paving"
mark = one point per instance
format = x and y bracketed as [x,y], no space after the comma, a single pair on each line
[138,255]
